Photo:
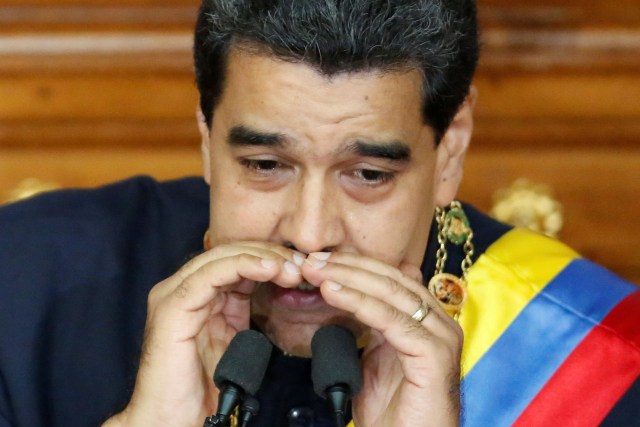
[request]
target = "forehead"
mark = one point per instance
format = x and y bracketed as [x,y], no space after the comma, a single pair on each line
[259,86]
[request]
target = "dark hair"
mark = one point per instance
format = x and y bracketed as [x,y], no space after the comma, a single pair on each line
[438,37]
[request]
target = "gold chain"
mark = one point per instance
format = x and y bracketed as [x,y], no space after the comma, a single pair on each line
[449,290]
[467,262]
[441,253]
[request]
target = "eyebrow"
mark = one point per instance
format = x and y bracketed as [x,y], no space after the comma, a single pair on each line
[395,151]
[243,136]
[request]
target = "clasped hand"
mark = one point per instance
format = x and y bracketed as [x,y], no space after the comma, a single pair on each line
[411,369]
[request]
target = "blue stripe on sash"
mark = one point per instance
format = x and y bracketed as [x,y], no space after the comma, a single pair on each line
[515,368]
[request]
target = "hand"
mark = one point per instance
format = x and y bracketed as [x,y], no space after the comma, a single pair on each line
[411,369]
[192,316]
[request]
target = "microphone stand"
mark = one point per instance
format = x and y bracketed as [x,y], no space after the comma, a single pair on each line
[215,421]
[338,396]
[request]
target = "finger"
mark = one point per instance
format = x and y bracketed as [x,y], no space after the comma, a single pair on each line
[398,328]
[258,249]
[181,314]
[292,255]
[376,285]
[412,271]
[376,266]
[200,287]
[237,309]
[388,285]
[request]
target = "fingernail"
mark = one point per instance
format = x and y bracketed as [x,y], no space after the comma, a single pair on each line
[333,286]
[298,259]
[291,268]
[321,255]
[316,264]
[268,263]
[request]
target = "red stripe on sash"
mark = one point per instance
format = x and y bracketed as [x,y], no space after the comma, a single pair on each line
[594,376]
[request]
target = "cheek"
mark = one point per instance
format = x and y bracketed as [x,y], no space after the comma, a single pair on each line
[238,214]
[394,233]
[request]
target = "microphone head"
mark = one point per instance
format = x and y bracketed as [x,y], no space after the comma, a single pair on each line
[245,361]
[335,360]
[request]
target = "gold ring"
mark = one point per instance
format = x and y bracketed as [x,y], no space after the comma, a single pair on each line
[421,313]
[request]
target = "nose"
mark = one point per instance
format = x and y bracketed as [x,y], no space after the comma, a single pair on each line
[313,220]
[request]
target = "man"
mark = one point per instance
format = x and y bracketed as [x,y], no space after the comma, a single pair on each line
[331,133]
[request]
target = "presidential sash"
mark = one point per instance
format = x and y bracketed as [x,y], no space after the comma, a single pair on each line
[550,338]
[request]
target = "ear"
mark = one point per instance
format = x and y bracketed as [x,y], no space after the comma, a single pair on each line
[452,150]
[204,145]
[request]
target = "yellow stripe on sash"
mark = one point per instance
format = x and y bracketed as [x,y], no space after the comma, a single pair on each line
[502,282]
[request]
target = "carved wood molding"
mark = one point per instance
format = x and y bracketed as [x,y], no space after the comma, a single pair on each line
[503,50]
[77,17]
[587,35]
[588,51]
[101,133]
[103,52]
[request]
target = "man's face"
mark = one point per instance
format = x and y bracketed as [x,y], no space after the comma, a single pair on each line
[317,164]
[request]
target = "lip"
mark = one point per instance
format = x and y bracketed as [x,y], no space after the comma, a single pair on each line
[296,299]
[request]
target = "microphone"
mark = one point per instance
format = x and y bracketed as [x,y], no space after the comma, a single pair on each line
[335,368]
[249,409]
[240,371]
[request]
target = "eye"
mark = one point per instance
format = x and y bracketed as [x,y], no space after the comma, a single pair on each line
[373,177]
[261,166]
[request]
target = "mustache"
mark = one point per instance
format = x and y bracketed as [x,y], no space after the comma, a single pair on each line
[305,286]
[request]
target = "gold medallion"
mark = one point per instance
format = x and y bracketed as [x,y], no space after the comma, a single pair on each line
[449,290]
[457,226]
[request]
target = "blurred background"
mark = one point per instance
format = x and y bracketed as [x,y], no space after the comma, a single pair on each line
[93,91]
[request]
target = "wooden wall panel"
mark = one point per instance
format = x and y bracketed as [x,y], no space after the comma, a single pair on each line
[561,14]
[98,133]
[89,167]
[92,97]
[559,97]
[100,3]
[598,190]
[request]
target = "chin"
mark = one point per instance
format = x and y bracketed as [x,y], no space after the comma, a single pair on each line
[290,317]
[294,338]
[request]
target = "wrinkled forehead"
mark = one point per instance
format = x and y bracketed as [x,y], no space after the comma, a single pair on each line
[328,67]
[293,100]
[256,79]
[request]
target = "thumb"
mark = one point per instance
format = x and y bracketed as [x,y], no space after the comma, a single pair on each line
[237,308]
[412,271]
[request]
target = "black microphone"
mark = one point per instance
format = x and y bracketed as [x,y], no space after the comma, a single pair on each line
[240,371]
[335,368]
[249,409]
